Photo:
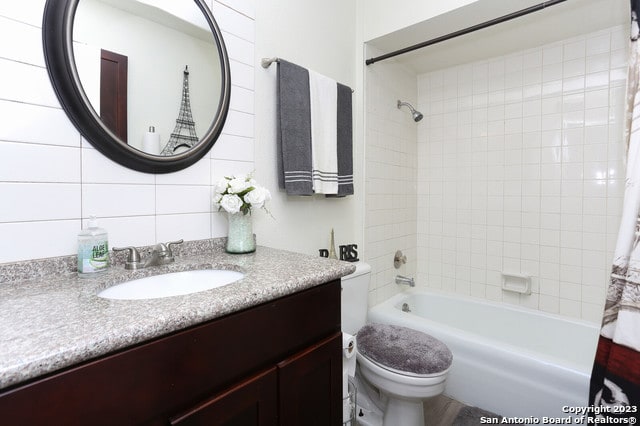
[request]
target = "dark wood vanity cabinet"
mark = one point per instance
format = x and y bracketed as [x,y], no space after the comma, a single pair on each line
[251,402]
[278,363]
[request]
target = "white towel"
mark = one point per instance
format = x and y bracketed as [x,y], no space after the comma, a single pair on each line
[323,92]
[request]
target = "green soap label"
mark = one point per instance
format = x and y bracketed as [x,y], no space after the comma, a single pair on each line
[100,251]
[93,258]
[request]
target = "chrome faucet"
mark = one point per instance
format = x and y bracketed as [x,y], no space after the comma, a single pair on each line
[161,254]
[405,280]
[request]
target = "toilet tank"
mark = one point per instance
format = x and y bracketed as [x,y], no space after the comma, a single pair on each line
[355,298]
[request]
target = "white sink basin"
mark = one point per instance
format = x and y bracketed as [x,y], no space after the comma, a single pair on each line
[172,284]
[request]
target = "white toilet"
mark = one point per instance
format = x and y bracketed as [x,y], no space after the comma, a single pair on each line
[397,367]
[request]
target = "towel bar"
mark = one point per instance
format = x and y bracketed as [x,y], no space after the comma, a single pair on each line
[266,63]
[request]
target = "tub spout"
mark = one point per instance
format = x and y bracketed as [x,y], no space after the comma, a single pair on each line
[405,280]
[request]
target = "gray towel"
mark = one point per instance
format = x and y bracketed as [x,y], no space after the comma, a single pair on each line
[294,129]
[345,142]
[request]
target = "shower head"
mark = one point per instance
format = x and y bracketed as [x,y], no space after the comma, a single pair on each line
[417,115]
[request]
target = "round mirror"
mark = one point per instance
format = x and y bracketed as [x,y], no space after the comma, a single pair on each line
[146,82]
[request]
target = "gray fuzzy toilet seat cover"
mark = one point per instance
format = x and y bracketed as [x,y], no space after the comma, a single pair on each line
[403,349]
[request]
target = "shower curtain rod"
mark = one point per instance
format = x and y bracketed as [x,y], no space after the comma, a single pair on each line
[464,31]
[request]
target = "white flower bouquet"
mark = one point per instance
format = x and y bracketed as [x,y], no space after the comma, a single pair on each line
[240,194]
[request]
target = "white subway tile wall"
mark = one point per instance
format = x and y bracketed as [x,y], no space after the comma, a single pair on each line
[521,170]
[390,173]
[51,180]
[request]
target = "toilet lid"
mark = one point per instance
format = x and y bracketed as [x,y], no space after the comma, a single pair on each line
[403,349]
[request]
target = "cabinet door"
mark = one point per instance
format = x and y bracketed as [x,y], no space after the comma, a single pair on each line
[310,385]
[252,402]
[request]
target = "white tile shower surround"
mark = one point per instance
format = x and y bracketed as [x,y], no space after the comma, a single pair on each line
[50,178]
[522,170]
[391,162]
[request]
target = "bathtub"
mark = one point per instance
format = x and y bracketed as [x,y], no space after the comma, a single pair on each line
[509,360]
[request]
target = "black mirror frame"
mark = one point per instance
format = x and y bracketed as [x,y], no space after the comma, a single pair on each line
[57,33]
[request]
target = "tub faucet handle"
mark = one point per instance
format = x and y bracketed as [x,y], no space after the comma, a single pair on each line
[399,259]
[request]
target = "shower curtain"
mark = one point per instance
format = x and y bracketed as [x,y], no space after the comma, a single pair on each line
[615,380]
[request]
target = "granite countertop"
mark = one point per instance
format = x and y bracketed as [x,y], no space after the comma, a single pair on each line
[49,323]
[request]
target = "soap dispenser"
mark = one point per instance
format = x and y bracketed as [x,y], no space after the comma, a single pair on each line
[93,250]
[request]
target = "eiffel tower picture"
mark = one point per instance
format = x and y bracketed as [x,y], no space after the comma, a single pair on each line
[184,135]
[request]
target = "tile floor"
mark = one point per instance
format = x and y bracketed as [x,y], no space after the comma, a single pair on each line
[444,411]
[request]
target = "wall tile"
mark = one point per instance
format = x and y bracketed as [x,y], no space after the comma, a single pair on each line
[192,226]
[130,230]
[29,12]
[37,124]
[26,83]
[222,168]
[23,162]
[39,201]
[38,239]
[219,225]
[243,74]
[239,124]
[598,44]
[230,147]
[96,168]
[242,100]
[239,49]
[391,222]
[246,7]
[198,173]
[172,199]
[132,200]
[598,64]
[232,22]
[540,124]
[22,35]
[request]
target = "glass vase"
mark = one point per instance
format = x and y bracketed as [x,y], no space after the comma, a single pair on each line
[240,238]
